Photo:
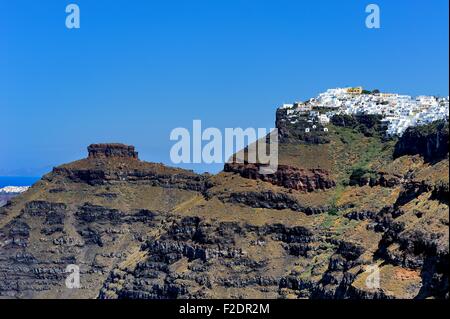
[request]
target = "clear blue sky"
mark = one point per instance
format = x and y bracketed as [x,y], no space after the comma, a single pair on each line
[137,69]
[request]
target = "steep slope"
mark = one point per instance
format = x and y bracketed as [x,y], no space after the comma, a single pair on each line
[340,202]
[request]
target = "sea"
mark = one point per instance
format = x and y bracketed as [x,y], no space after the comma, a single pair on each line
[17,181]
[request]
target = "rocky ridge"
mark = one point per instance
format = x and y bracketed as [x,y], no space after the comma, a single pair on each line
[144,230]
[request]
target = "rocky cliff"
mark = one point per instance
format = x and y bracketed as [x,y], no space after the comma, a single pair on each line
[430,141]
[331,217]
[286,176]
[112,151]
[295,131]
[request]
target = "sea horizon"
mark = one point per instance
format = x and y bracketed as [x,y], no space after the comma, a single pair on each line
[18,180]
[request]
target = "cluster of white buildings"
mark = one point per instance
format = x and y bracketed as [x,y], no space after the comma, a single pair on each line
[398,111]
[13,189]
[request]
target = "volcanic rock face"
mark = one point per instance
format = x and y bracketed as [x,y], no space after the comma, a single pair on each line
[430,141]
[110,163]
[272,200]
[296,132]
[112,150]
[286,176]
[144,230]
[184,257]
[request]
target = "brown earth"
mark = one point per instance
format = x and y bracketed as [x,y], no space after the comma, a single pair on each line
[144,230]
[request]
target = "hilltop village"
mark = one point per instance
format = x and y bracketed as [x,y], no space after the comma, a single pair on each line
[398,111]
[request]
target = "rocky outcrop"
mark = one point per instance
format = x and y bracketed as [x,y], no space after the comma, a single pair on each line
[430,141]
[118,163]
[23,271]
[4,198]
[182,262]
[195,259]
[441,192]
[344,266]
[415,239]
[363,177]
[411,190]
[367,124]
[151,176]
[272,200]
[111,150]
[38,245]
[295,130]
[286,176]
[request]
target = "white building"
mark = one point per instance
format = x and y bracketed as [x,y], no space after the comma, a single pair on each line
[399,111]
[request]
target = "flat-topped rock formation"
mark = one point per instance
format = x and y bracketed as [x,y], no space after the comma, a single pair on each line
[109,150]
[119,163]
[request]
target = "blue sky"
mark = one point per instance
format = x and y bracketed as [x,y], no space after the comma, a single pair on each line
[137,69]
